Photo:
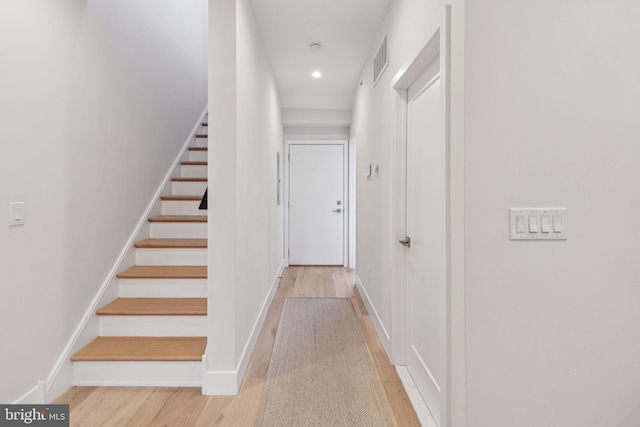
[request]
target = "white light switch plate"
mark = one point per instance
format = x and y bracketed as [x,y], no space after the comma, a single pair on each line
[539,224]
[16,213]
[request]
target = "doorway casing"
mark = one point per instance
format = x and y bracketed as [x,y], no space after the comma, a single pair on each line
[437,43]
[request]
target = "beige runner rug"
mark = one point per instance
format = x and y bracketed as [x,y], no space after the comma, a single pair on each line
[321,372]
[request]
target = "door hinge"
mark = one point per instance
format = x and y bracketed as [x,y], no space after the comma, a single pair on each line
[289,156]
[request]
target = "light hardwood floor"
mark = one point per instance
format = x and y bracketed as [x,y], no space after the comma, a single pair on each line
[159,406]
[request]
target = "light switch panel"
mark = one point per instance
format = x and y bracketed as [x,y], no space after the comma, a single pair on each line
[367,170]
[538,223]
[16,213]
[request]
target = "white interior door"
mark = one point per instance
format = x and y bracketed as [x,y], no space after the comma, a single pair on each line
[426,222]
[316,204]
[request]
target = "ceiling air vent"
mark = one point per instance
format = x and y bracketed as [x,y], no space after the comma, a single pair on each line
[381,60]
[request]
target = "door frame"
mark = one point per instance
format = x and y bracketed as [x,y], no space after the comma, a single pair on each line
[345,202]
[438,43]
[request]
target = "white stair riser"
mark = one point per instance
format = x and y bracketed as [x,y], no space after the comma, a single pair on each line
[198,156]
[143,374]
[178,230]
[152,326]
[182,188]
[183,256]
[182,207]
[202,142]
[163,288]
[193,171]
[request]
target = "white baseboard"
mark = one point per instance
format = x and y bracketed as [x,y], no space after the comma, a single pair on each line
[220,383]
[61,376]
[227,383]
[31,397]
[257,327]
[417,401]
[383,335]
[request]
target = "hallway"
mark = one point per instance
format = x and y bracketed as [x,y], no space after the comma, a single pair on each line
[151,406]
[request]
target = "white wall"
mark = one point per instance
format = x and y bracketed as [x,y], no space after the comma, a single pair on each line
[260,234]
[409,23]
[316,123]
[552,101]
[245,223]
[97,99]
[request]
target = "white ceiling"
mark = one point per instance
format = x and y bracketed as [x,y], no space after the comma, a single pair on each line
[347,30]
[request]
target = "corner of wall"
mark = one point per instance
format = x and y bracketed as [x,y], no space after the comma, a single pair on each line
[227,383]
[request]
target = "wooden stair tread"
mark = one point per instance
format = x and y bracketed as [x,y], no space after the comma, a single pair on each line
[181,198]
[171,243]
[194,163]
[143,349]
[189,179]
[165,272]
[179,218]
[198,148]
[202,135]
[155,307]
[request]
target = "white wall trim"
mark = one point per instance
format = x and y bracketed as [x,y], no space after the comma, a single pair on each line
[220,383]
[439,43]
[31,397]
[383,335]
[352,202]
[247,352]
[227,383]
[56,384]
[418,403]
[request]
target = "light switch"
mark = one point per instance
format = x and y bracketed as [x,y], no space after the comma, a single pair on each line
[545,225]
[16,213]
[557,224]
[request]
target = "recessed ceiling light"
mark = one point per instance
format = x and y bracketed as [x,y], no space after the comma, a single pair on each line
[316,74]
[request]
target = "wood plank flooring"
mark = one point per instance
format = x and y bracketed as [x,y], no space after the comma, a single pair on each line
[156,406]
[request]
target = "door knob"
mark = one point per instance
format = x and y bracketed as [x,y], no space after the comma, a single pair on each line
[337,210]
[406,242]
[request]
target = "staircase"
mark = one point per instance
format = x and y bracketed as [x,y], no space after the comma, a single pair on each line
[154,334]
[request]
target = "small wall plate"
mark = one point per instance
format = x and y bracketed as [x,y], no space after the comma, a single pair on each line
[538,224]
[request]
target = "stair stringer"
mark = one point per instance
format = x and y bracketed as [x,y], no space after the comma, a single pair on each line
[60,378]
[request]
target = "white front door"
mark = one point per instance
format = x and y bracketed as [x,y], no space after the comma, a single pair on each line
[426,222]
[316,204]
